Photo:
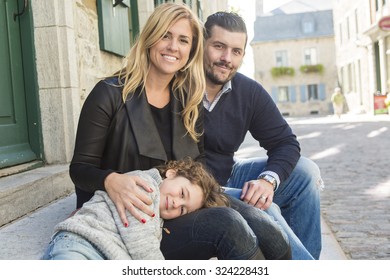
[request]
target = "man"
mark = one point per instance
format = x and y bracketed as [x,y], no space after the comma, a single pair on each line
[235,105]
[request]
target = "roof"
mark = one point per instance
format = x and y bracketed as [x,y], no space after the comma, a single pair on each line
[298,19]
[302,6]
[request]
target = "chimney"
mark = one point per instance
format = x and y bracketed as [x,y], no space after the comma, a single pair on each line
[259,8]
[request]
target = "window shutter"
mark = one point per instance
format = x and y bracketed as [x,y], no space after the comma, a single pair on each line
[303,94]
[293,94]
[114,29]
[274,94]
[322,92]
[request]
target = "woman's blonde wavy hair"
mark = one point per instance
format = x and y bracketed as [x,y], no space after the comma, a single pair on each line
[189,82]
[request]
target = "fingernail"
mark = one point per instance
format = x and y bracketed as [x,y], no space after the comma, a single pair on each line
[153,215]
[150,190]
[143,221]
[126,224]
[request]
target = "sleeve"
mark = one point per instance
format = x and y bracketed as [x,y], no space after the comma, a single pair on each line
[143,240]
[274,134]
[93,128]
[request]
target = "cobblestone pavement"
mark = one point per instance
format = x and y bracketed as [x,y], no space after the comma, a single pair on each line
[353,154]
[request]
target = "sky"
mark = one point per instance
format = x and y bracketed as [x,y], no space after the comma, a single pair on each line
[246,8]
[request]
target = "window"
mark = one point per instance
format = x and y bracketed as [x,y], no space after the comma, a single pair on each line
[356,22]
[283,95]
[312,91]
[118,25]
[188,2]
[281,58]
[310,56]
[308,26]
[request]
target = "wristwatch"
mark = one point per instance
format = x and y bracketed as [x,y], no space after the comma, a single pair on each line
[270,179]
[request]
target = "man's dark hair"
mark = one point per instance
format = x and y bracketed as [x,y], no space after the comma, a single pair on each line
[227,20]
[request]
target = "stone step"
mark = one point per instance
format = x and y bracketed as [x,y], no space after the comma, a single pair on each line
[25,192]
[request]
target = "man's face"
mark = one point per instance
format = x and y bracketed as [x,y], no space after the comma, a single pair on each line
[224,53]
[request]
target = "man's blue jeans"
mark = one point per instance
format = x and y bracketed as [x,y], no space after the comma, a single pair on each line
[298,198]
[299,252]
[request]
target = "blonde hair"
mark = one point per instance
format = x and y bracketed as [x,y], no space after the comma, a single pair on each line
[189,83]
[196,173]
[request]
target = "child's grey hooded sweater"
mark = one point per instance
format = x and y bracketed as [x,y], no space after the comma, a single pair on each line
[98,222]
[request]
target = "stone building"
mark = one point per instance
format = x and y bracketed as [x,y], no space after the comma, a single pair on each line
[362,51]
[294,56]
[53,52]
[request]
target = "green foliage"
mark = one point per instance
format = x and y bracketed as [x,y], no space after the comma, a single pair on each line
[317,68]
[282,71]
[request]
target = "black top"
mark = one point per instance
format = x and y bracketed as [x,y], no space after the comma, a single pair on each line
[162,119]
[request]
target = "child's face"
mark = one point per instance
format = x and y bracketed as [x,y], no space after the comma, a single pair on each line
[178,196]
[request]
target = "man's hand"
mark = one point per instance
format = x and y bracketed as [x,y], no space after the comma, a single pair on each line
[258,193]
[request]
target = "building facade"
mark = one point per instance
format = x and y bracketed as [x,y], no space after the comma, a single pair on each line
[362,51]
[294,56]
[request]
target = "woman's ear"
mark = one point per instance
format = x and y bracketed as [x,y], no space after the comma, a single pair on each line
[170,173]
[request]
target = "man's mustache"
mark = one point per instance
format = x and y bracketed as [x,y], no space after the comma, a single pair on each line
[223,64]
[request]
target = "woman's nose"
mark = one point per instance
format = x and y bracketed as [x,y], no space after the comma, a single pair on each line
[173,45]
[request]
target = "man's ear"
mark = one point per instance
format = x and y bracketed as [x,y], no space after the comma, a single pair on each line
[170,173]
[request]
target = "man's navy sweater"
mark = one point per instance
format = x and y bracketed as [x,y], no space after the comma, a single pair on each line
[248,107]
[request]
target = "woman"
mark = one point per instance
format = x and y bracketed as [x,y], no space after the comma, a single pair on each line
[146,114]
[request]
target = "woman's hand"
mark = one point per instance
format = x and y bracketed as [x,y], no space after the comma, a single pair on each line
[126,193]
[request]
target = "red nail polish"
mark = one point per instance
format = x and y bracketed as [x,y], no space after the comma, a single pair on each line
[126,224]
[153,215]
[143,221]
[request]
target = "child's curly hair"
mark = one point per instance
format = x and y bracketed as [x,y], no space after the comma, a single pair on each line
[196,173]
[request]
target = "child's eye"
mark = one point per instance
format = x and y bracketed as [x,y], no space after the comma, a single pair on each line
[182,193]
[181,210]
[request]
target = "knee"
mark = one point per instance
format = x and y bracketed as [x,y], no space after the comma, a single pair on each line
[225,219]
[309,171]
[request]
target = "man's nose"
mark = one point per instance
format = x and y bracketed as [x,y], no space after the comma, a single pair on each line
[227,55]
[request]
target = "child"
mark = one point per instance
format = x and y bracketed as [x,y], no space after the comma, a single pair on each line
[96,230]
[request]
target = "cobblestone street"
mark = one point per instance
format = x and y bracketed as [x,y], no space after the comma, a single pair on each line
[353,154]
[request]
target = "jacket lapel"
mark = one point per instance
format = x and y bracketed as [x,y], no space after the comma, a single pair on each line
[145,132]
[182,143]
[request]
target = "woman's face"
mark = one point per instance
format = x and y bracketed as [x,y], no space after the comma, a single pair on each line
[172,52]
[178,196]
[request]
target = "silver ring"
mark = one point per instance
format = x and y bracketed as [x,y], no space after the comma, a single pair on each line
[263,197]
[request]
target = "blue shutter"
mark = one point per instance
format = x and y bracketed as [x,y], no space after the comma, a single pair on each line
[322,92]
[114,28]
[274,94]
[303,94]
[293,94]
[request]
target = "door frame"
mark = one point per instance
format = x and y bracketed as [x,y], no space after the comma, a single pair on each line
[30,81]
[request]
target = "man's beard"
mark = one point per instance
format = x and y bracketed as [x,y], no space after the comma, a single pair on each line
[215,79]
